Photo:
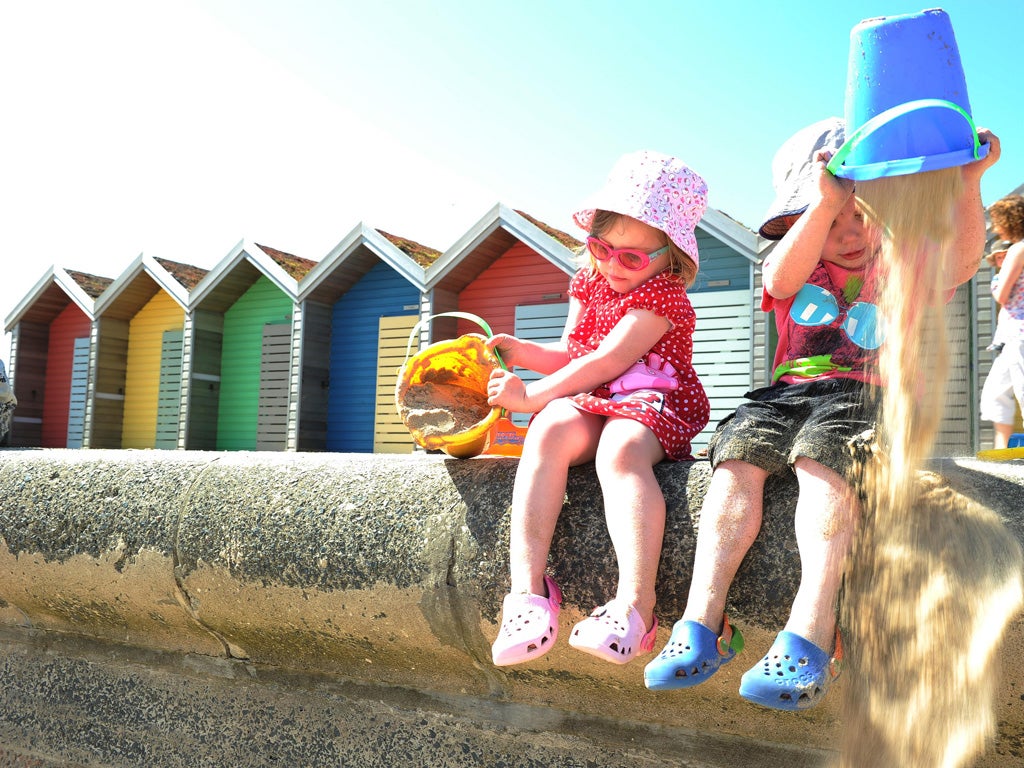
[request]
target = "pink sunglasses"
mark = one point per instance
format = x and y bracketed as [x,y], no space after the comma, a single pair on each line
[632,259]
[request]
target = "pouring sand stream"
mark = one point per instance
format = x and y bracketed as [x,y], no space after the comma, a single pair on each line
[934,578]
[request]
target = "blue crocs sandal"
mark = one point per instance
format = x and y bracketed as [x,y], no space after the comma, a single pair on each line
[794,674]
[692,655]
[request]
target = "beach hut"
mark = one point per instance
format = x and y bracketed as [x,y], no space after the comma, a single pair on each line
[358,306]
[49,366]
[509,269]
[240,352]
[139,336]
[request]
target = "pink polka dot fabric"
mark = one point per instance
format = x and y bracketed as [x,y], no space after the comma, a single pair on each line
[675,417]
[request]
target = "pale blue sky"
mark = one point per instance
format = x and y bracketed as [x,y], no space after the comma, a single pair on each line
[178,128]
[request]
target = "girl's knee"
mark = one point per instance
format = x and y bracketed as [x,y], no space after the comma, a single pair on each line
[619,455]
[561,430]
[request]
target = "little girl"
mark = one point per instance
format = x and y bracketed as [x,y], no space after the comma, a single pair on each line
[619,390]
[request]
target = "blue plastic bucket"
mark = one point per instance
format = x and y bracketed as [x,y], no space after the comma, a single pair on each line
[906,108]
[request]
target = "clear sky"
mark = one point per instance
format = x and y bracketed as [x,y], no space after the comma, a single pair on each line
[178,128]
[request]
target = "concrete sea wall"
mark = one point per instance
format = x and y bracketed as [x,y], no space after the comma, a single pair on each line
[252,609]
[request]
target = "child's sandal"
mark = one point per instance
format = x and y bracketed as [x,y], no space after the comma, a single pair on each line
[529,626]
[692,655]
[794,674]
[614,632]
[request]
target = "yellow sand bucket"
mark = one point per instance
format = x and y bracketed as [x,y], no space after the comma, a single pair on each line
[441,393]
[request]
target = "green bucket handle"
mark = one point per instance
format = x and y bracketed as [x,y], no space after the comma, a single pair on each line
[465,316]
[899,110]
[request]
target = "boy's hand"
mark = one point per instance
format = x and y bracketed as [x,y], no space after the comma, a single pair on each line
[834,191]
[969,215]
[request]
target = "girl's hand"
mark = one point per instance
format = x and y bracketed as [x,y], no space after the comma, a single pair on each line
[508,347]
[506,390]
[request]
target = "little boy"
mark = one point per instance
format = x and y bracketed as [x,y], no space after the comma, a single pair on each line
[820,284]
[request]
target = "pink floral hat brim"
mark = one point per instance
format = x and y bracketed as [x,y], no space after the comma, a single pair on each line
[656,189]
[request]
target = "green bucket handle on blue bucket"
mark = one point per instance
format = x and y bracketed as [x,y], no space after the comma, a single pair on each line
[899,110]
[463,315]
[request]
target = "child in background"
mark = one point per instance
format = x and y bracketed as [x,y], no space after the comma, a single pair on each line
[820,283]
[619,390]
[1005,382]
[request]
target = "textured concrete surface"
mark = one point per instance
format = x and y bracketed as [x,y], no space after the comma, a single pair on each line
[88,705]
[285,575]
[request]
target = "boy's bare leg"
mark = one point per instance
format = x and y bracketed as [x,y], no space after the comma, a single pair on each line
[730,519]
[826,514]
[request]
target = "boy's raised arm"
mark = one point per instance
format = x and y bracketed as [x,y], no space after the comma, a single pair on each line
[969,215]
[796,255]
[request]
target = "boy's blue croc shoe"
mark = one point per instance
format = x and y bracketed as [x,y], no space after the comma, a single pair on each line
[692,655]
[794,674]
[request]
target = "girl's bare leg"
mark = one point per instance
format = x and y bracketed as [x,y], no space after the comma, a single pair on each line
[634,508]
[559,437]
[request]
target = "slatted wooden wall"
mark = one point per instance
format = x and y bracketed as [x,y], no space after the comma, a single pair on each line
[144,366]
[275,370]
[204,387]
[765,338]
[77,392]
[722,352]
[520,276]
[315,376]
[355,319]
[540,323]
[168,404]
[956,432]
[68,343]
[238,408]
[389,433]
[105,412]
[27,369]
[721,267]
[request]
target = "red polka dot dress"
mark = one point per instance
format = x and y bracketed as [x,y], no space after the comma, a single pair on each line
[675,416]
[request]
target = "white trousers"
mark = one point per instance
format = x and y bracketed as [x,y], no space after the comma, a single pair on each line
[1004,384]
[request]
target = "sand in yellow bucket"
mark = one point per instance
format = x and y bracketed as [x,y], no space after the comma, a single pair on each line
[441,393]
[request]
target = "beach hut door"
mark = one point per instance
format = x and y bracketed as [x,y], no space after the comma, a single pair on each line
[275,371]
[79,381]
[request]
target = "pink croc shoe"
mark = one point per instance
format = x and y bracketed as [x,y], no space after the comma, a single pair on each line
[614,632]
[529,626]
